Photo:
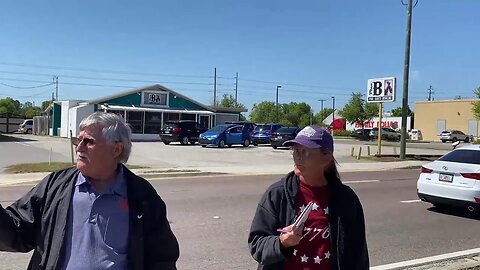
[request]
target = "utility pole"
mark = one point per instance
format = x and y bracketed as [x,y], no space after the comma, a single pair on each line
[430,93]
[55,81]
[215,87]
[236,88]
[321,109]
[333,113]
[406,70]
[276,105]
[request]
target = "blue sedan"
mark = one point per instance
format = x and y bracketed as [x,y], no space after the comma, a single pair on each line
[228,134]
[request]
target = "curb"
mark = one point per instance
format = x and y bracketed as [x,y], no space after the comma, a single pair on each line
[467,259]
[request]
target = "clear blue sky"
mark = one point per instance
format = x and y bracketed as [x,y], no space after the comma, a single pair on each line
[333,47]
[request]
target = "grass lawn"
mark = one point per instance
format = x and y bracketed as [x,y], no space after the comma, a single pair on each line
[45,167]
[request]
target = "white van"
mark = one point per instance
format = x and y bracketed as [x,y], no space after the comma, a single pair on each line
[26,126]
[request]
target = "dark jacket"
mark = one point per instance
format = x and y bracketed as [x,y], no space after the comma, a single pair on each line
[37,222]
[276,210]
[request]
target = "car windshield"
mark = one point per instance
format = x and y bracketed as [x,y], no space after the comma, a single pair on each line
[286,130]
[219,128]
[263,127]
[463,156]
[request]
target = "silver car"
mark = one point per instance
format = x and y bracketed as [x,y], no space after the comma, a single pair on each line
[454,135]
[387,133]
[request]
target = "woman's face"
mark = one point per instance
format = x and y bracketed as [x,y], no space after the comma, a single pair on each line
[310,162]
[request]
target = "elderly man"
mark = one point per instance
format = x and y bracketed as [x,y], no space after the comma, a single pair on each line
[97,215]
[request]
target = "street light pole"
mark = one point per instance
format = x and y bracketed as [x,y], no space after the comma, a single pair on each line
[333,113]
[403,141]
[276,104]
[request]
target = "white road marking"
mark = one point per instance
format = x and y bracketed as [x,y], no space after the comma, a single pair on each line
[360,181]
[428,260]
[26,144]
[411,201]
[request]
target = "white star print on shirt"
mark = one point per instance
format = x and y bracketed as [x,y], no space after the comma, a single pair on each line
[317,260]
[327,255]
[294,252]
[302,207]
[304,258]
[315,206]
[325,210]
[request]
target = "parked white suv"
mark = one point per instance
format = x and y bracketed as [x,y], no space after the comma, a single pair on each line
[454,135]
[26,126]
[387,133]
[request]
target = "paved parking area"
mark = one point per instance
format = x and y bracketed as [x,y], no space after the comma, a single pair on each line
[254,159]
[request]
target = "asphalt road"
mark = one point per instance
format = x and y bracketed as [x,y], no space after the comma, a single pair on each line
[396,230]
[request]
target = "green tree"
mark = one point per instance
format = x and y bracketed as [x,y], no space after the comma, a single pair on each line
[320,116]
[397,112]
[45,104]
[228,101]
[10,107]
[264,112]
[358,111]
[476,104]
[295,114]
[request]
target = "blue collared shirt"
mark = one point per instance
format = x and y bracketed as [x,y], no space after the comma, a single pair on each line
[97,227]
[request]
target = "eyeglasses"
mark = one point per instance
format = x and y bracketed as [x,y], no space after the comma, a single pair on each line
[305,153]
[85,141]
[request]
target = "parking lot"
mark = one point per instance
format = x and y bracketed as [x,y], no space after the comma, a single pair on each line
[237,159]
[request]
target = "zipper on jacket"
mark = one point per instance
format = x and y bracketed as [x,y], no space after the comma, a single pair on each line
[338,243]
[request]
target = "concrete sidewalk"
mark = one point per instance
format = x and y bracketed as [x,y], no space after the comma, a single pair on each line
[15,179]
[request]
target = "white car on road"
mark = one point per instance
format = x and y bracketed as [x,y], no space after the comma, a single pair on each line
[453,179]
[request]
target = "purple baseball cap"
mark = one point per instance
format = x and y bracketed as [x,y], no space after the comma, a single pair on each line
[313,137]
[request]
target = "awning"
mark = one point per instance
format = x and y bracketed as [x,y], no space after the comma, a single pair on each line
[144,109]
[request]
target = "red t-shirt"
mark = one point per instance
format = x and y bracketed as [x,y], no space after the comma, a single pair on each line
[313,251]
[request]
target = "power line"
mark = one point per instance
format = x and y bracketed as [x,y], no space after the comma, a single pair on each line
[101,70]
[26,87]
[103,79]
[296,84]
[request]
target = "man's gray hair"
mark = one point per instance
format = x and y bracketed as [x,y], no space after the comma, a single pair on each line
[114,129]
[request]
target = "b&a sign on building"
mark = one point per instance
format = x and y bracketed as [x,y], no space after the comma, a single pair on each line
[381,90]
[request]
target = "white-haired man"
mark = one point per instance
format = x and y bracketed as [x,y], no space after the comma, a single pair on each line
[97,215]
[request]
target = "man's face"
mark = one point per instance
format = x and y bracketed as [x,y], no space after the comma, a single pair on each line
[95,156]
[310,162]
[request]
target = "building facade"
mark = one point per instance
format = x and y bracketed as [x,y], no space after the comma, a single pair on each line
[433,117]
[145,109]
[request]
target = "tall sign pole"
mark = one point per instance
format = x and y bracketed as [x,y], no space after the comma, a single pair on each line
[381,90]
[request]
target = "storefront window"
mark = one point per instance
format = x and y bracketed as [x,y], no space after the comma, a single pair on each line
[153,122]
[188,116]
[170,117]
[135,120]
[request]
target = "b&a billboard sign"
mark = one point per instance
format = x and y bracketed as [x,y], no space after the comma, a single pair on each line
[381,90]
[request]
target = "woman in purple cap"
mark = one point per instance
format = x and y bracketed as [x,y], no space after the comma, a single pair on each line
[309,219]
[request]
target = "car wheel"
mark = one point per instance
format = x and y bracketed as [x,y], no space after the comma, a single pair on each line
[29,131]
[193,142]
[454,139]
[204,145]
[246,143]
[229,145]
[255,144]
[467,139]
[166,142]
[274,147]
[444,141]
[184,140]
[221,144]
